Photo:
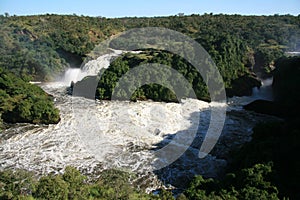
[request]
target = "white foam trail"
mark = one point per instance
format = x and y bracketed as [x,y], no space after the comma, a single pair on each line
[93,67]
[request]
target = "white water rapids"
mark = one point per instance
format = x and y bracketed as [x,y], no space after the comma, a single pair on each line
[109,134]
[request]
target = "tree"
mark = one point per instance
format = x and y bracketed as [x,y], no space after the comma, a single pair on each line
[52,187]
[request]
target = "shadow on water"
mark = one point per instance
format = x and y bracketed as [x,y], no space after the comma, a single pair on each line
[237,130]
[182,171]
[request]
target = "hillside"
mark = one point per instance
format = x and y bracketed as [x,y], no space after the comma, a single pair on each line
[24,102]
[41,47]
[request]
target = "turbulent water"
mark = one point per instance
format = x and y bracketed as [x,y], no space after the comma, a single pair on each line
[109,134]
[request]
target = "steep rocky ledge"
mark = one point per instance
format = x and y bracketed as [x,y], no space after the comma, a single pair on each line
[243,86]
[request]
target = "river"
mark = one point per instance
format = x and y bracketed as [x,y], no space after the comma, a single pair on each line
[93,136]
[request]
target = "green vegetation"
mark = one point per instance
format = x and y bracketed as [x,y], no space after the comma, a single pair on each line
[156,92]
[112,184]
[23,102]
[43,46]
[278,143]
[249,184]
[230,54]
[265,168]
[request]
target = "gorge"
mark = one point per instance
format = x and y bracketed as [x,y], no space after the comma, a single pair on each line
[96,135]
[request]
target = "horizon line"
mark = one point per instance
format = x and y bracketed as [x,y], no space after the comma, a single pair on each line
[154,16]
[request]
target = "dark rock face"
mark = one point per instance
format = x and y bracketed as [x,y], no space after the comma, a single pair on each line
[74,60]
[243,86]
[286,81]
[269,108]
[85,88]
[285,91]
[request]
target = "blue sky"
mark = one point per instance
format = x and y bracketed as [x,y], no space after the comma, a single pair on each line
[119,8]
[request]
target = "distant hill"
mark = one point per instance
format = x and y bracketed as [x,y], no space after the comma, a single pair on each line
[41,47]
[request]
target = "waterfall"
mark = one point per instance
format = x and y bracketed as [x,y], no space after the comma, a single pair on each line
[265,91]
[91,68]
[72,74]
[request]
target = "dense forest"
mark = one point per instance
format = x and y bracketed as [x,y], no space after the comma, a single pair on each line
[250,183]
[42,47]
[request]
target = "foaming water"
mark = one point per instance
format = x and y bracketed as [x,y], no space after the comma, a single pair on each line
[93,135]
[111,126]
[109,134]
